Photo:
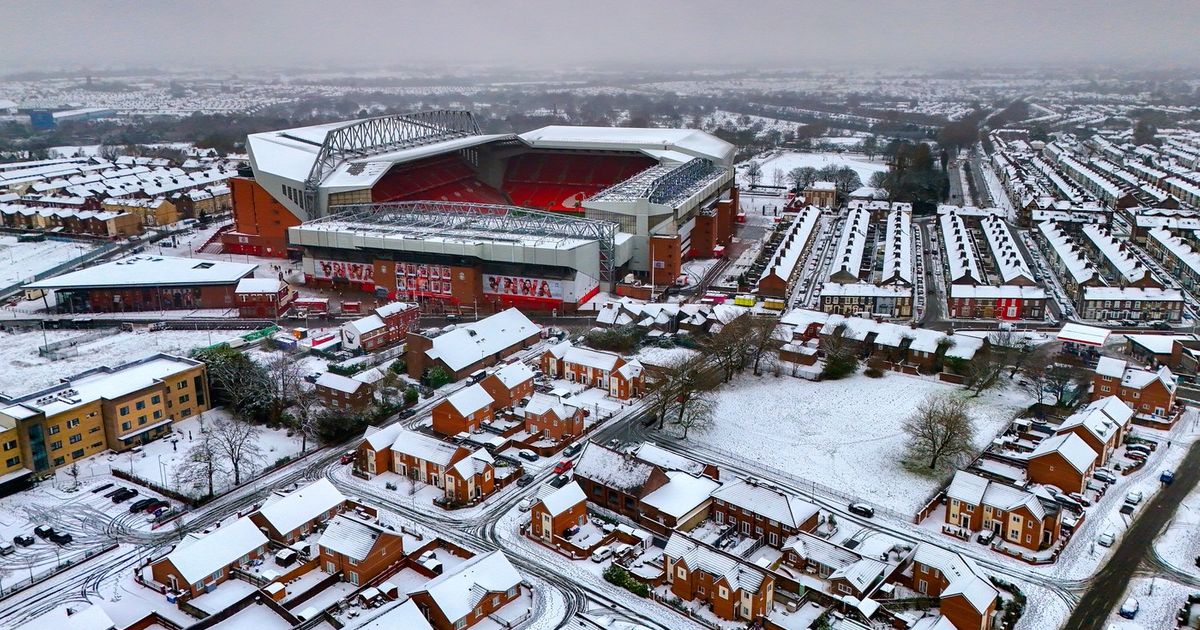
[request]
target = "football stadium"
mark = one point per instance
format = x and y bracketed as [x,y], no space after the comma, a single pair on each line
[424,206]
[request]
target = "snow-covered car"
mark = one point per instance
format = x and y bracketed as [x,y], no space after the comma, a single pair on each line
[527,455]
[602,553]
[525,505]
[1133,498]
[985,537]
[1105,540]
[1129,609]
[861,509]
[1105,475]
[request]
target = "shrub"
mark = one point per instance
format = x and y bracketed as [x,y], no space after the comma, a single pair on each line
[620,339]
[436,377]
[873,372]
[411,395]
[616,574]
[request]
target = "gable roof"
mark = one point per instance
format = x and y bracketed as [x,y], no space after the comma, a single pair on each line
[563,498]
[301,506]
[652,453]
[597,359]
[976,590]
[468,400]
[350,537]
[769,502]
[424,447]
[379,438]
[682,494]
[541,403]
[513,374]
[861,574]
[338,382]
[406,616]
[612,469]
[1071,447]
[963,576]
[457,592]
[470,343]
[201,557]
[975,490]
[698,557]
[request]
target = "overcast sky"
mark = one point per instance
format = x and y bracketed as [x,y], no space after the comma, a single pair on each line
[247,34]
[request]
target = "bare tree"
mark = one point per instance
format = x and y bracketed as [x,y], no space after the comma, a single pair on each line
[940,432]
[777,177]
[983,372]
[1035,378]
[284,377]
[754,173]
[765,337]
[304,417]
[698,415]
[841,356]
[1062,379]
[108,152]
[663,389]
[730,346]
[201,462]
[73,471]
[237,441]
[802,177]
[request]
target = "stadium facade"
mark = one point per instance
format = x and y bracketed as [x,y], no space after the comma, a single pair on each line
[424,206]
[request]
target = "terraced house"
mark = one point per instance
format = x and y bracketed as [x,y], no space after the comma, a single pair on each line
[736,591]
[1014,515]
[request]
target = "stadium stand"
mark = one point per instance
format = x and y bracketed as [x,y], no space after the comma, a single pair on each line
[560,182]
[442,178]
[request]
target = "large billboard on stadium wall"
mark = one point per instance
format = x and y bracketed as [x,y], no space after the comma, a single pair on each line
[363,273]
[522,287]
[420,280]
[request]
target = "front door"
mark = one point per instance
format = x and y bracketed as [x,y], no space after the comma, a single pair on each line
[964,521]
[547,528]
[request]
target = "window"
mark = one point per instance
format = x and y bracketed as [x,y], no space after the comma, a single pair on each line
[155,399]
[12,461]
[125,426]
[72,423]
[681,573]
[181,384]
[10,445]
[52,430]
[141,420]
[140,405]
[157,414]
[184,398]
[59,461]
[124,410]
[186,412]
[77,454]
[77,438]
[55,445]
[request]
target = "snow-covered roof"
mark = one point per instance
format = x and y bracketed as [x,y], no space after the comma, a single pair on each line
[563,498]
[977,591]
[470,343]
[201,557]
[1178,248]
[1158,344]
[861,574]
[1132,376]
[960,252]
[612,469]
[1116,252]
[692,142]
[769,502]
[682,494]
[460,589]
[1080,333]
[1069,254]
[740,576]
[1132,294]
[424,447]
[351,537]
[975,490]
[468,400]
[146,270]
[338,382]
[990,292]
[897,248]
[392,308]
[848,251]
[1010,261]
[514,374]
[101,383]
[820,551]
[474,464]
[796,235]
[301,506]
[1071,447]
[259,285]
[540,404]
[364,325]
[961,573]
[380,438]
[71,617]
[409,617]
[597,359]
[654,454]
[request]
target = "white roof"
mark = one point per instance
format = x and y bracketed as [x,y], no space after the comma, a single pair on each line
[468,400]
[682,494]
[612,469]
[987,291]
[408,617]
[897,247]
[1072,448]
[1069,254]
[597,359]
[1111,367]
[563,499]
[740,576]
[667,460]
[692,142]
[380,438]
[1087,335]
[1117,252]
[364,325]
[976,590]
[795,239]
[259,285]
[1158,344]
[1010,261]
[963,576]
[458,591]
[144,270]
[101,383]
[540,403]
[959,248]
[202,556]
[1132,294]
[848,252]
[339,382]
[350,537]
[514,374]
[424,447]
[391,308]
[470,343]
[768,502]
[301,506]
[91,618]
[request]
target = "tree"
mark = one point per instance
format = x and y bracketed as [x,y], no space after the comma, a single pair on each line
[754,173]
[870,147]
[777,177]
[238,382]
[236,441]
[698,415]
[802,177]
[983,371]
[940,432]
[730,346]
[436,376]
[411,395]
[283,375]
[1144,132]
[304,420]
[878,179]
[764,337]
[840,357]
[201,462]
[73,472]
[1062,379]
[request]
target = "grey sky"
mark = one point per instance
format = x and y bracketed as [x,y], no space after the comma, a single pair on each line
[247,34]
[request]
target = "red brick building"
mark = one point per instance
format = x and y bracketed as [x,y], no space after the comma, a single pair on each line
[967,598]
[389,325]
[509,384]
[358,549]
[1012,514]
[595,368]
[463,411]
[262,297]
[260,223]
[557,512]
[553,417]
[1102,425]
[469,592]
[736,591]
[340,392]
[473,346]
[285,518]
[1064,461]
[462,474]
[199,563]
[616,481]
[762,512]
[1148,392]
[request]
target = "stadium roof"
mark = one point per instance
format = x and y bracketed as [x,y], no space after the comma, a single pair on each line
[691,142]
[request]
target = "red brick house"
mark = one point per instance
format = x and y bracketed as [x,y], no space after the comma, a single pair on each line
[1148,392]
[595,368]
[463,474]
[1014,515]
[509,384]
[760,511]
[463,411]
[472,346]
[262,297]
[389,325]
[616,481]
[374,453]
[287,517]
[358,549]
[968,599]
[736,591]
[199,562]
[340,392]
[656,455]
[469,592]
[557,512]
[553,417]
[1102,424]
[1065,461]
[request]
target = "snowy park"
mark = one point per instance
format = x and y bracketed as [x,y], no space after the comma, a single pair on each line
[786,161]
[21,261]
[846,433]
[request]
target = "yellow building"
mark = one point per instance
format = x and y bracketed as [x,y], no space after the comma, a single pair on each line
[113,408]
[157,211]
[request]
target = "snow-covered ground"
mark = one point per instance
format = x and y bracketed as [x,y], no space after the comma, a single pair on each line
[654,355]
[1158,599]
[21,261]
[788,160]
[23,370]
[1179,543]
[845,434]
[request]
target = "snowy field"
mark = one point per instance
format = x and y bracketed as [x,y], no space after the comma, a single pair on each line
[1158,599]
[654,355]
[23,370]
[789,160]
[21,261]
[845,434]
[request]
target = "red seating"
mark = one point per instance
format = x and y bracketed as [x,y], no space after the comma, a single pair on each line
[443,178]
[548,180]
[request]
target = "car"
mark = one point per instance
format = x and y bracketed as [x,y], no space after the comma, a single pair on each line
[560,481]
[985,537]
[569,532]
[1161,326]
[524,480]
[1138,448]
[1133,498]
[6,548]
[525,505]
[101,488]
[1105,540]
[112,493]
[346,457]
[1127,509]
[1068,502]
[527,455]
[407,413]
[141,505]
[43,531]
[861,509]
[61,538]
[614,443]
[1105,475]
[572,449]
[155,505]
[562,466]
[125,496]
[1129,609]
[1167,477]
[161,514]
[602,553]
[1080,499]
[24,540]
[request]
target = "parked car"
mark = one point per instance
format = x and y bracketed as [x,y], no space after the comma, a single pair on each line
[1138,448]
[985,537]
[525,505]
[861,509]
[155,505]
[560,481]
[571,450]
[346,457]
[524,480]
[101,488]
[527,455]
[1133,498]
[1068,502]
[1080,499]
[1167,477]
[602,553]
[61,538]
[128,494]
[112,493]
[141,505]
[6,548]
[43,531]
[1105,475]
[1105,540]
[23,540]
[407,413]
[1129,609]
[562,466]
[1127,509]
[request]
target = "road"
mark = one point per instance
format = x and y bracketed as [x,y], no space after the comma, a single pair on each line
[1135,548]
